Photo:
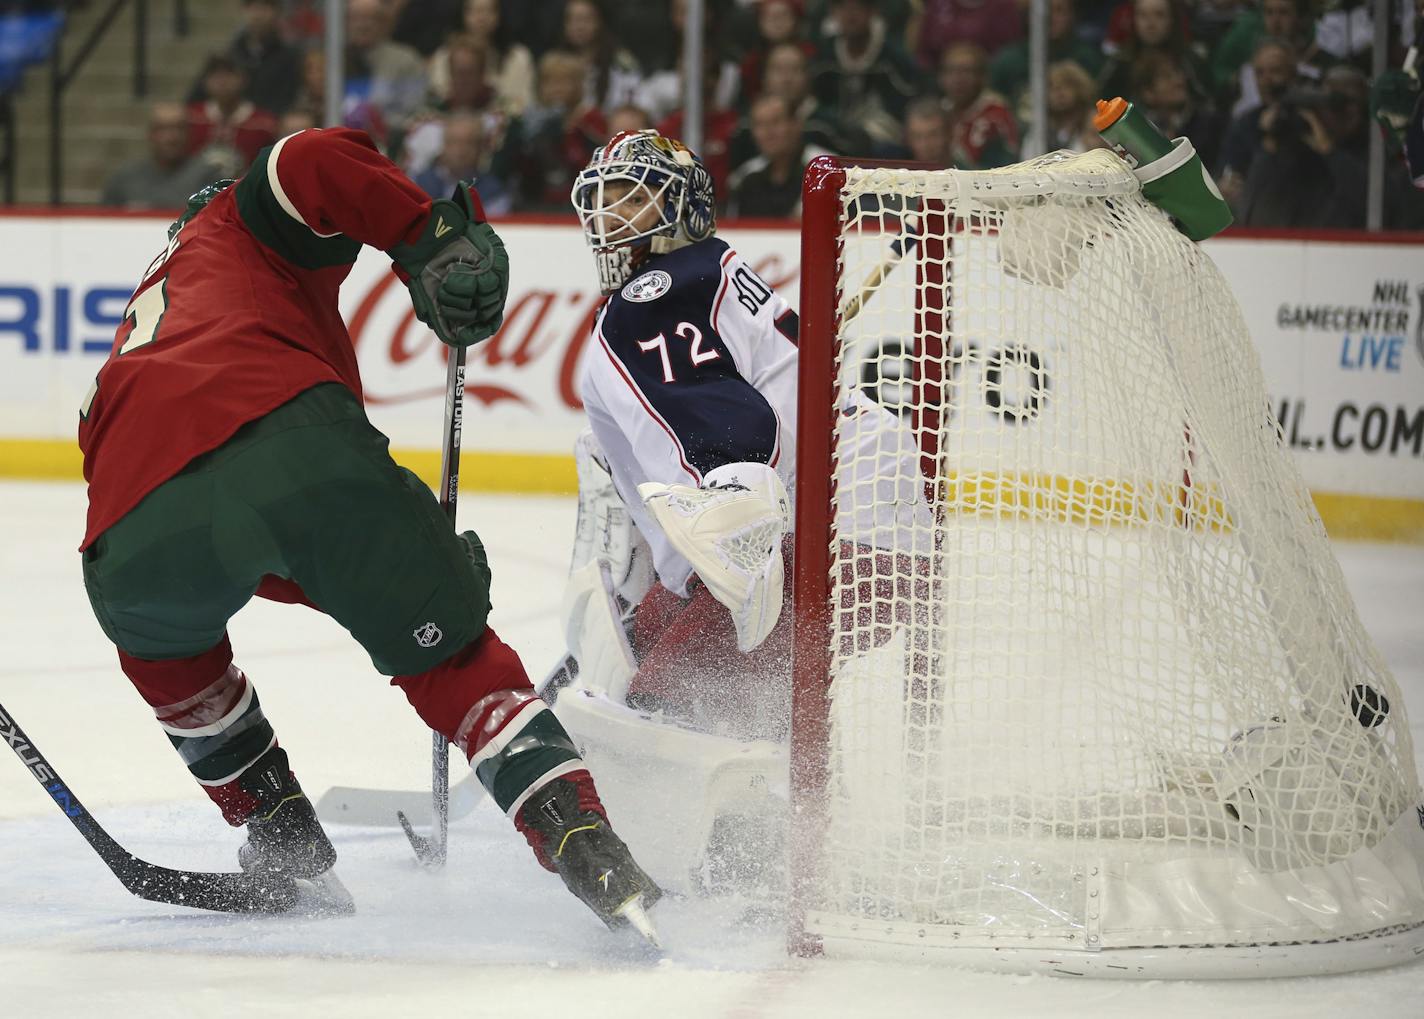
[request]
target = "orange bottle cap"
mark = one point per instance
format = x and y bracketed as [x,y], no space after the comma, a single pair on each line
[1109,112]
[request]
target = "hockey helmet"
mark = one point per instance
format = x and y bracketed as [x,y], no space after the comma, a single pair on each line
[642,193]
[198,201]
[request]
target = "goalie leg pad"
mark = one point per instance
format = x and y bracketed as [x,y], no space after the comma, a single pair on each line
[594,633]
[605,530]
[730,530]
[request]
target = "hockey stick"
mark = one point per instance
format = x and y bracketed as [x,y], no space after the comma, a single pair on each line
[382,807]
[223,892]
[378,808]
[432,851]
[899,248]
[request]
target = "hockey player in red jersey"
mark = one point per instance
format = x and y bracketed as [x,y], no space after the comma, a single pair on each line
[228,453]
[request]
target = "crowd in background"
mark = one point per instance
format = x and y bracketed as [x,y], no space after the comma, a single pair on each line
[518,93]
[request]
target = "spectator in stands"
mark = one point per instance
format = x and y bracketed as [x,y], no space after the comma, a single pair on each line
[788,74]
[1346,32]
[558,133]
[466,153]
[1009,68]
[1302,174]
[423,24]
[661,92]
[646,28]
[864,75]
[467,83]
[927,131]
[1212,19]
[294,120]
[391,75]
[538,24]
[613,73]
[227,130]
[1156,30]
[628,117]
[716,30]
[1231,65]
[985,133]
[1345,114]
[1071,105]
[508,65]
[165,177]
[273,66]
[769,185]
[355,111]
[992,24]
[719,124]
[468,91]
[1274,68]
[1160,89]
[900,18]
[777,22]
[305,20]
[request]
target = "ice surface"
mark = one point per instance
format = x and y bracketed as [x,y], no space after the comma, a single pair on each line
[493,934]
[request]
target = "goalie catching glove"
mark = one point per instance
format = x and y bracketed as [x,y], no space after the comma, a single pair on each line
[458,271]
[730,530]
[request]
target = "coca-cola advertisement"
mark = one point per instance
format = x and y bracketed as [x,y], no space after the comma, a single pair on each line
[521,392]
[1336,323]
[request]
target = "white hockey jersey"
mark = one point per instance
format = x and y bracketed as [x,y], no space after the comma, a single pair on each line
[693,365]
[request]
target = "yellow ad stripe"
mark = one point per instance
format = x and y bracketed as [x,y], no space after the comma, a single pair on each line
[1346,517]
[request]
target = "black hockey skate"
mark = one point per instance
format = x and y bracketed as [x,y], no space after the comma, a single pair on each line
[285,837]
[594,862]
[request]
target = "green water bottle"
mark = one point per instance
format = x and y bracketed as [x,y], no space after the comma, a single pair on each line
[1170,172]
[1127,129]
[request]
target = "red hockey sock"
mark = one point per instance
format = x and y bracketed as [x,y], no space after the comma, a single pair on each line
[454,698]
[210,712]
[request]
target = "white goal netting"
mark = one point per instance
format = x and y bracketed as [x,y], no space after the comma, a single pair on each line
[1108,690]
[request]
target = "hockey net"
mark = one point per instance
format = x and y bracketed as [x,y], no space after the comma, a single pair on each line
[1101,687]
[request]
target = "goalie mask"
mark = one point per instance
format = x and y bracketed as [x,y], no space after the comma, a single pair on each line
[640,194]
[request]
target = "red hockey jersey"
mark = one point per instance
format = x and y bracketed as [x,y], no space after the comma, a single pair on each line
[239,314]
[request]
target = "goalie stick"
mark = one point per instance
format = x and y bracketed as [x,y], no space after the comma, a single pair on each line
[231,892]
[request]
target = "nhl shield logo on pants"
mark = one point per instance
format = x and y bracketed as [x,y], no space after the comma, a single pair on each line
[428,635]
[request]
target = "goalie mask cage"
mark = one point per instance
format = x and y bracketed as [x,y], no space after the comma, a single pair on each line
[1081,689]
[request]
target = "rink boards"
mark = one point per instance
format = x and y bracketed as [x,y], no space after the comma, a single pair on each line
[1338,324]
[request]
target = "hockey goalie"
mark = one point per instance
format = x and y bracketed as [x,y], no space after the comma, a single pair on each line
[674,606]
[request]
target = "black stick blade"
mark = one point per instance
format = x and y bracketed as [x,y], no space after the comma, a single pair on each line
[221,892]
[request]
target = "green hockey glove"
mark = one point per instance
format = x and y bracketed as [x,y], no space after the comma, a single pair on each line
[459,272]
[1392,100]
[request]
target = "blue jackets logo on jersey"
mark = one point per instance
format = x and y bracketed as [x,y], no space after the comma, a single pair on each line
[648,287]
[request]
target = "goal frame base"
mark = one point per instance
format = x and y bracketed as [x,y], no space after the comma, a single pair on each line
[1204,962]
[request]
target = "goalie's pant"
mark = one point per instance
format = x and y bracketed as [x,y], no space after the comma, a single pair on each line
[687,652]
[687,655]
[305,504]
